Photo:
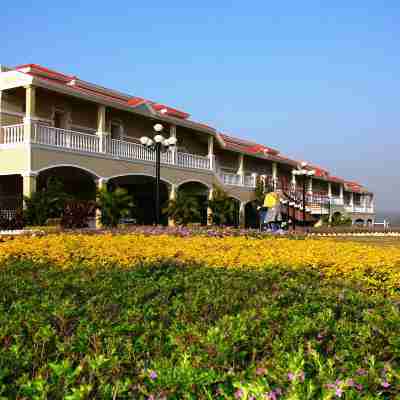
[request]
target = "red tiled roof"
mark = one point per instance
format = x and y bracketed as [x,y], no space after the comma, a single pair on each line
[246,146]
[163,109]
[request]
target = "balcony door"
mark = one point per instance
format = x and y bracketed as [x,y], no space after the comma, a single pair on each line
[60,119]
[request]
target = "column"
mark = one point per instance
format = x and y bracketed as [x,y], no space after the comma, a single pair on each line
[294,184]
[29,184]
[310,186]
[101,183]
[242,214]
[101,128]
[30,111]
[274,175]
[172,196]
[209,211]
[329,190]
[1,116]
[240,170]
[173,149]
[330,200]
[352,201]
[341,194]
[211,151]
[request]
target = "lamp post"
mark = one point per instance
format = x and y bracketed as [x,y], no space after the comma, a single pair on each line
[301,171]
[158,144]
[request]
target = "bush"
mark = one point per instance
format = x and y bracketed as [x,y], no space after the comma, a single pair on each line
[76,214]
[114,206]
[185,209]
[46,203]
[222,207]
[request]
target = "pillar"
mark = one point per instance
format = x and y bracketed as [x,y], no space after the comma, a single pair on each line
[29,185]
[274,175]
[209,211]
[329,190]
[172,196]
[1,116]
[101,127]
[211,151]
[352,200]
[30,112]
[173,149]
[341,194]
[310,186]
[242,214]
[240,170]
[294,183]
[100,184]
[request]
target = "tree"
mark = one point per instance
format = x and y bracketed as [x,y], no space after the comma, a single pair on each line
[222,206]
[46,203]
[114,205]
[259,191]
[184,209]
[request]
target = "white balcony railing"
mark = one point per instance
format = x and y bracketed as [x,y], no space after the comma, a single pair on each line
[336,201]
[250,181]
[231,179]
[63,138]
[90,143]
[12,134]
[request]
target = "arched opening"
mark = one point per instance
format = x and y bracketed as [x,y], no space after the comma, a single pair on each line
[359,222]
[78,183]
[251,215]
[369,222]
[142,188]
[199,191]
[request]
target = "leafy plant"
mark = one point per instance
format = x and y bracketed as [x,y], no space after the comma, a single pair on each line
[259,191]
[114,205]
[222,206]
[46,203]
[77,213]
[184,210]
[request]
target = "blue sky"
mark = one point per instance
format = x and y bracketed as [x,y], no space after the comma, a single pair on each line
[319,82]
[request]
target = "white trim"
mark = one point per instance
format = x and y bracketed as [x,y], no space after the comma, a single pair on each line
[67,165]
[138,174]
[195,181]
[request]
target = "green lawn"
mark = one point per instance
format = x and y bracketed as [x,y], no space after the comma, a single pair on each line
[168,332]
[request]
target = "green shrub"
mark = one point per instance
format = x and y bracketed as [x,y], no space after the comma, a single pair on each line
[185,209]
[114,205]
[222,207]
[46,203]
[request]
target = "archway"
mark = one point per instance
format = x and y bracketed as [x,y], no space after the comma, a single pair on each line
[251,215]
[199,191]
[359,222]
[77,182]
[142,189]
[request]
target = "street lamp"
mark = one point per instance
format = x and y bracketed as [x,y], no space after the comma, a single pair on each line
[158,143]
[301,171]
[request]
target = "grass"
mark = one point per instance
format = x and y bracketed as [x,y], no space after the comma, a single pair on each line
[192,332]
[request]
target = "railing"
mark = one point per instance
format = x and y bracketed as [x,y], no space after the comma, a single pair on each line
[336,201]
[250,181]
[12,134]
[186,160]
[231,179]
[64,138]
[83,142]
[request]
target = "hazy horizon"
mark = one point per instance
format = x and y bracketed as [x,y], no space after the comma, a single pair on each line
[320,82]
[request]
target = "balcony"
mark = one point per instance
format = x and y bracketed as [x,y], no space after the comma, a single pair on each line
[91,144]
[231,179]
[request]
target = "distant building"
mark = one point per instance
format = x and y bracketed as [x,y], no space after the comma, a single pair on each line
[54,124]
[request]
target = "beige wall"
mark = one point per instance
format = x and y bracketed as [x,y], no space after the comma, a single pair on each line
[15,160]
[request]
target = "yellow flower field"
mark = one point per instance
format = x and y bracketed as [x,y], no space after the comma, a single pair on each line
[378,267]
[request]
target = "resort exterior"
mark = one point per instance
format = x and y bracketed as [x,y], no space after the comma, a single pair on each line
[52,124]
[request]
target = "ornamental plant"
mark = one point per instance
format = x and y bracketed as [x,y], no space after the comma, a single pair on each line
[185,209]
[46,203]
[77,213]
[222,206]
[114,205]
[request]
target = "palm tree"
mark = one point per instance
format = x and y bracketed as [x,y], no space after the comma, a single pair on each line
[222,207]
[114,205]
[184,209]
